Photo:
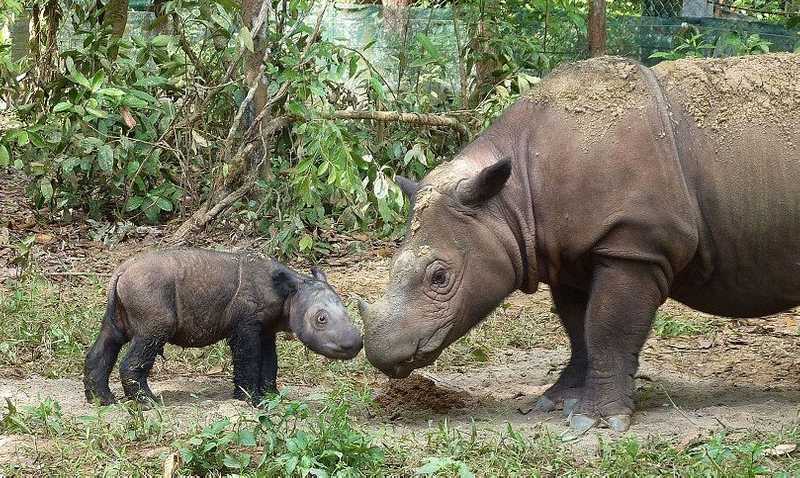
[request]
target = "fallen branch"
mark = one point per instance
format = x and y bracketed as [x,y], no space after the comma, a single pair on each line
[419,119]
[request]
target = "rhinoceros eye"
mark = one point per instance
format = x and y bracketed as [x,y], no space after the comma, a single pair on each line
[439,278]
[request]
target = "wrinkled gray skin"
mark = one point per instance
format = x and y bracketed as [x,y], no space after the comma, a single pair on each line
[618,187]
[194,298]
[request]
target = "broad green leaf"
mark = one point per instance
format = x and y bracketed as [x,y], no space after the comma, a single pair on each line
[112,92]
[97,80]
[63,106]
[4,156]
[132,167]
[105,158]
[246,38]
[152,213]
[228,5]
[427,44]
[46,188]
[134,202]
[22,138]
[150,81]
[96,112]
[247,438]
[306,242]
[160,41]
[18,164]
[164,204]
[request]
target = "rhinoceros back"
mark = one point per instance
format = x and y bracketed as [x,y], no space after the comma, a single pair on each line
[737,124]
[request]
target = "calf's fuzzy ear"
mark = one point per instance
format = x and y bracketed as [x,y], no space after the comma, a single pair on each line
[317,274]
[406,185]
[284,282]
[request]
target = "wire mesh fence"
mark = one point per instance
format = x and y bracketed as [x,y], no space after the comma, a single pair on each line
[659,25]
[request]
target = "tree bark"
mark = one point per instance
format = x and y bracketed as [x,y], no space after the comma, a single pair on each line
[395,16]
[115,15]
[597,27]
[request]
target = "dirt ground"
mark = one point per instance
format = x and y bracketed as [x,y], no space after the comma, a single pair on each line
[741,375]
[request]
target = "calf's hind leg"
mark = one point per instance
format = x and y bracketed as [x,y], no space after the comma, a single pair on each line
[99,362]
[137,365]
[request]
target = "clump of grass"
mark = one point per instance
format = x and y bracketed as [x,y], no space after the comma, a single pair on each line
[668,325]
[46,329]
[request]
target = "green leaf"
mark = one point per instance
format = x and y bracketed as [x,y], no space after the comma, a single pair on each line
[132,167]
[306,242]
[246,38]
[97,113]
[160,41]
[427,44]
[152,213]
[105,158]
[112,92]
[22,138]
[228,5]
[97,80]
[63,106]
[46,188]
[164,204]
[4,156]
[134,202]
[247,438]
[238,461]
[18,164]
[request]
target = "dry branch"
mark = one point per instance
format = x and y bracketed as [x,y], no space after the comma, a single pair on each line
[419,119]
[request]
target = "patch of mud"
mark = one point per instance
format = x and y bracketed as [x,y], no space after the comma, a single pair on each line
[419,395]
[597,93]
[725,96]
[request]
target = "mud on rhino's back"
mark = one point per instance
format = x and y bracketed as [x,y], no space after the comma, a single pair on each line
[737,124]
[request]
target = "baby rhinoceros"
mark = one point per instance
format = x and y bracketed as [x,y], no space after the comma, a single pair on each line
[196,297]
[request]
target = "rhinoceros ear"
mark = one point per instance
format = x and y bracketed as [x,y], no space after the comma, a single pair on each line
[486,184]
[408,186]
[284,282]
[317,274]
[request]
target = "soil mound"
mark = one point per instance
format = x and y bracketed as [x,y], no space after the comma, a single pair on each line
[418,394]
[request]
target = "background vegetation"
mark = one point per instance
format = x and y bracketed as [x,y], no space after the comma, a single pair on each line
[167,123]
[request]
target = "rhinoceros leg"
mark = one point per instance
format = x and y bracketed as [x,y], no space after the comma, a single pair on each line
[245,343]
[267,382]
[623,299]
[571,309]
[136,366]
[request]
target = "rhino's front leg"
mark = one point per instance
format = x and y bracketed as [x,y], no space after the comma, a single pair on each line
[623,299]
[570,306]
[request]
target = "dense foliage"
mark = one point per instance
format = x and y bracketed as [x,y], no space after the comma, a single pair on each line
[138,128]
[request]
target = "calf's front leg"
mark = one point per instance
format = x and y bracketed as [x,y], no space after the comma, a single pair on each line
[623,300]
[245,343]
[269,365]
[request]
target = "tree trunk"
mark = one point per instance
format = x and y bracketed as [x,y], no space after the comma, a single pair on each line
[250,11]
[395,16]
[597,27]
[115,15]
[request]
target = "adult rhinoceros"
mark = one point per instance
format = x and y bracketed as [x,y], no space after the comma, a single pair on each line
[619,186]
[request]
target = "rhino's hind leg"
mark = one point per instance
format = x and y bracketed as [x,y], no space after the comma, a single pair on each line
[624,297]
[99,362]
[136,366]
[571,309]
[245,343]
